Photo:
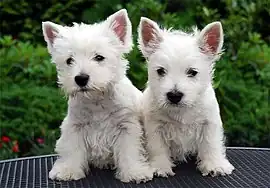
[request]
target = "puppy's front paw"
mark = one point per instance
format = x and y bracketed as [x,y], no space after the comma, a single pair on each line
[138,175]
[162,169]
[214,168]
[65,172]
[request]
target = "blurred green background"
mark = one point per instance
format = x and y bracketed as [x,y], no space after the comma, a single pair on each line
[32,107]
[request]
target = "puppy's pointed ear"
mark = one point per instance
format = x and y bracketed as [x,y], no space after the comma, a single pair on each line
[120,24]
[210,40]
[50,32]
[149,36]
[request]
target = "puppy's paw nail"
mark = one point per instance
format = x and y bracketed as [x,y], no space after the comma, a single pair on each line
[164,172]
[204,174]
[212,173]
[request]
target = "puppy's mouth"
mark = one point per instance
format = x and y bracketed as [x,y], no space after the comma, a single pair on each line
[79,90]
[177,105]
[84,89]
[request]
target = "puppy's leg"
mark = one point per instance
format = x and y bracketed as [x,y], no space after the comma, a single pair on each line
[72,162]
[129,154]
[211,151]
[159,152]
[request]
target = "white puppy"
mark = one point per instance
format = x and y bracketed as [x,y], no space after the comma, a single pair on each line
[181,112]
[102,124]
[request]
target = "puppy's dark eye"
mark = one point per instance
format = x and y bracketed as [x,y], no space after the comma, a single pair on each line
[192,72]
[161,71]
[99,58]
[69,61]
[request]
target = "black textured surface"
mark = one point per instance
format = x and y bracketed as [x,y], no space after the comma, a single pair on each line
[252,170]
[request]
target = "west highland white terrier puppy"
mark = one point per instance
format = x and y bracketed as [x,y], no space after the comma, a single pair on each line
[102,126]
[181,112]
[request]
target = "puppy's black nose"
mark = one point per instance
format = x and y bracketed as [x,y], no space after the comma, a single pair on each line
[175,97]
[81,80]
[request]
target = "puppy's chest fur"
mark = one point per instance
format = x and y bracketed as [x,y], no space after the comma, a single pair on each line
[100,125]
[182,131]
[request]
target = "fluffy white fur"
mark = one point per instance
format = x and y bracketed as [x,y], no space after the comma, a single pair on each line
[102,126]
[193,125]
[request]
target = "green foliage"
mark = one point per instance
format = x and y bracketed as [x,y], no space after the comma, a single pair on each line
[8,148]
[31,105]
[243,94]
[22,62]
[22,19]
[44,146]
[244,71]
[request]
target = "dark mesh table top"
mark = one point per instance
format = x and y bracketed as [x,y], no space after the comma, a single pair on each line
[252,170]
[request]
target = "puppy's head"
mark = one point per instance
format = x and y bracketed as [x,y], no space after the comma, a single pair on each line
[89,57]
[180,65]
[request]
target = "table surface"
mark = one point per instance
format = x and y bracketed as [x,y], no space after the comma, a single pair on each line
[252,170]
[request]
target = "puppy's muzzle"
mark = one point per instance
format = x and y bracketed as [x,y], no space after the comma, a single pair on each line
[175,96]
[81,80]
